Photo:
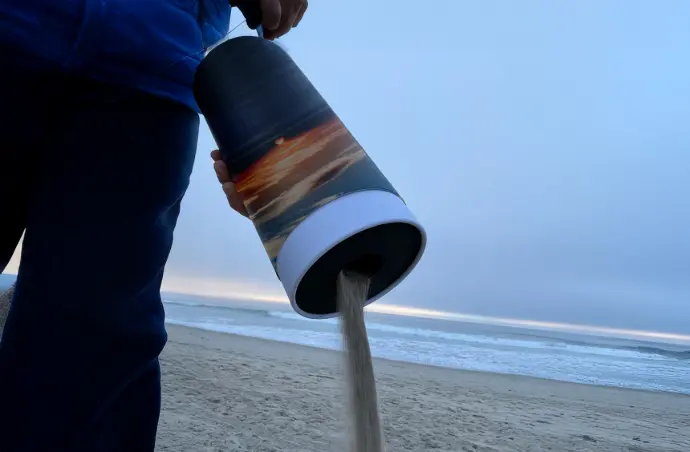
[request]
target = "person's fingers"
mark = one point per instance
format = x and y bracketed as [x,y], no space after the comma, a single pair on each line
[225,180]
[300,14]
[222,171]
[271,12]
[286,21]
[291,17]
[234,199]
[220,168]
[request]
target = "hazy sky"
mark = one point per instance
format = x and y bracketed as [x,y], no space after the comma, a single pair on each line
[544,145]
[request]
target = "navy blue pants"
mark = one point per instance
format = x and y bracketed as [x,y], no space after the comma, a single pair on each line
[95,175]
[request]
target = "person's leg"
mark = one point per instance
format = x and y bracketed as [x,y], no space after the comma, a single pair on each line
[28,103]
[78,360]
[130,422]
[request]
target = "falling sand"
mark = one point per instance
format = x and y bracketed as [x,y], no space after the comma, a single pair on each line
[352,292]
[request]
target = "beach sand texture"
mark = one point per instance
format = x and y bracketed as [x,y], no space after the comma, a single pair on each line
[232,393]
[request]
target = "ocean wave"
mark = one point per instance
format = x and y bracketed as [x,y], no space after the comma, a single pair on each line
[192,304]
[293,316]
[535,342]
[229,309]
[329,341]
[677,354]
[543,342]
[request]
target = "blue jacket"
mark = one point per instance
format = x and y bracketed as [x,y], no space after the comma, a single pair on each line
[154,45]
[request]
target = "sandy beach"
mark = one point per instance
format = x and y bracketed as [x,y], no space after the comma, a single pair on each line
[233,393]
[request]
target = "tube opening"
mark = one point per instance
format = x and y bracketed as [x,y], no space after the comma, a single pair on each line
[367,265]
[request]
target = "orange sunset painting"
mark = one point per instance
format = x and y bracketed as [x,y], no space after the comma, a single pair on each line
[300,174]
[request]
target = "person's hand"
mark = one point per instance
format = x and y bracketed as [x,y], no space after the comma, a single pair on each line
[228,187]
[281,16]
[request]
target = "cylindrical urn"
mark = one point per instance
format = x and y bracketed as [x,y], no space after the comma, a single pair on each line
[318,202]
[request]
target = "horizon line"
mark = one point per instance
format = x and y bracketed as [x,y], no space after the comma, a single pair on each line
[251,292]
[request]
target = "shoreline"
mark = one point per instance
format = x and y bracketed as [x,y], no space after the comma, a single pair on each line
[478,373]
[224,392]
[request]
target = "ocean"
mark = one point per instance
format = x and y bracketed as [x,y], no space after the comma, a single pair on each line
[555,355]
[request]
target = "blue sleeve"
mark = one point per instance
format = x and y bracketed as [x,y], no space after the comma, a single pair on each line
[214,20]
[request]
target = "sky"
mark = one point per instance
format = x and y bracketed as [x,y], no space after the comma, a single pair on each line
[544,145]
